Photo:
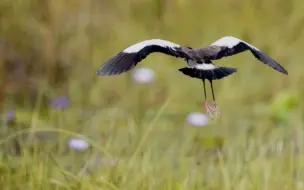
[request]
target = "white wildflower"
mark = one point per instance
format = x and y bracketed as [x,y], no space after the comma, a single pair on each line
[78,144]
[198,119]
[143,75]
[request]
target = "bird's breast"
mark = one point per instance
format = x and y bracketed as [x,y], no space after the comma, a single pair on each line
[191,63]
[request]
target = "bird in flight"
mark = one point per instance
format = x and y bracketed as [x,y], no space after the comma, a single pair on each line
[199,61]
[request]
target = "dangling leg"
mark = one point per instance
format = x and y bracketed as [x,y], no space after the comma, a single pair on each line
[215,109]
[207,106]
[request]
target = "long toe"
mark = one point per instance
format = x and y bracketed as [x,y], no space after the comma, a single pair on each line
[209,112]
[216,110]
[209,109]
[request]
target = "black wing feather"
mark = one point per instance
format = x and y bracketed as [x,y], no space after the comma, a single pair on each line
[214,74]
[268,61]
[118,64]
[225,51]
[123,62]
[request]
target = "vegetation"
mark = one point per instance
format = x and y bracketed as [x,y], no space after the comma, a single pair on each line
[138,135]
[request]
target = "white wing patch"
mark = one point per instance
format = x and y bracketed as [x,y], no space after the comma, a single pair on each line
[139,46]
[230,42]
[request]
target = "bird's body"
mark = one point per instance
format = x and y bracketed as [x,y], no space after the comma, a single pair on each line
[199,61]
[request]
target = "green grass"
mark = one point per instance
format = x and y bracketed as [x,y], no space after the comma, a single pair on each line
[137,133]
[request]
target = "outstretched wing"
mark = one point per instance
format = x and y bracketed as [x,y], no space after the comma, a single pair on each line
[228,46]
[131,56]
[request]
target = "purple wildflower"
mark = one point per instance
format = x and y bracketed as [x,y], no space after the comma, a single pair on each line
[10,116]
[61,103]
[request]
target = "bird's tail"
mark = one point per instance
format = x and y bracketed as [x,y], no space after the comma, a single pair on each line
[212,74]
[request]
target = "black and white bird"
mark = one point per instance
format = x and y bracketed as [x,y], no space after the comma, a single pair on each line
[199,61]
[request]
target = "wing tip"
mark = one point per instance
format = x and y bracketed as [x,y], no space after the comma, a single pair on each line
[285,72]
[282,70]
[116,65]
[108,72]
[102,72]
[98,73]
[112,71]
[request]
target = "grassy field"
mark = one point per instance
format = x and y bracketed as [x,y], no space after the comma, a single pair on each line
[138,134]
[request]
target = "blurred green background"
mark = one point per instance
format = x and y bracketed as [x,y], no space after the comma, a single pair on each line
[50,49]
